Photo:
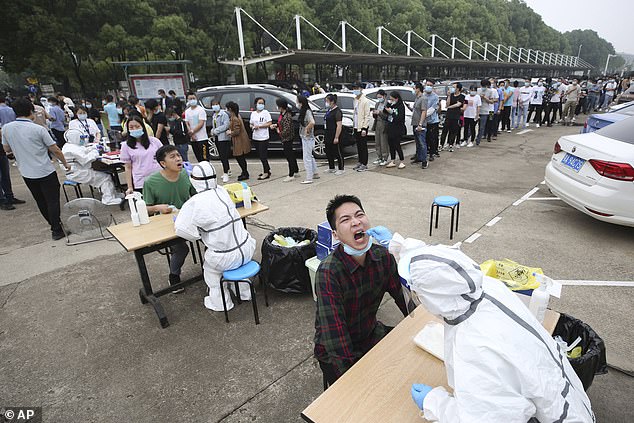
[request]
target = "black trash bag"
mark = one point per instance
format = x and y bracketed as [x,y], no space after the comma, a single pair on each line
[592,361]
[284,269]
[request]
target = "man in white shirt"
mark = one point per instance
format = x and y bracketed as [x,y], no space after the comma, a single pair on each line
[572,98]
[536,104]
[196,119]
[610,89]
[361,119]
[526,94]
[486,110]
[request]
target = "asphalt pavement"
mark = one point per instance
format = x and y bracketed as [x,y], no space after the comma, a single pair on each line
[75,340]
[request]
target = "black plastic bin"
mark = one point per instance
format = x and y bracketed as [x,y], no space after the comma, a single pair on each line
[284,269]
[592,361]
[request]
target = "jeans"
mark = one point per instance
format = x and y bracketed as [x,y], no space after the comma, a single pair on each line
[262,148]
[380,140]
[592,101]
[224,149]
[310,165]
[179,254]
[606,101]
[333,152]
[289,153]
[432,138]
[482,129]
[45,191]
[421,145]
[362,146]
[183,149]
[201,150]
[514,117]
[469,128]
[522,115]
[6,192]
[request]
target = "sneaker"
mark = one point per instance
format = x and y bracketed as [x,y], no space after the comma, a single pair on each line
[340,172]
[296,175]
[288,179]
[508,131]
[7,206]
[431,158]
[243,177]
[464,143]
[470,145]
[17,201]
[383,163]
[173,280]
[450,149]
[316,176]
[362,168]
[357,166]
[229,173]
[537,125]
[457,146]
[488,139]
[437,155]
[413,158]
[425,165]
[376,162]
[391,164]
[225,178]
[306,182]
[331,171]
[401,165]
[416,161]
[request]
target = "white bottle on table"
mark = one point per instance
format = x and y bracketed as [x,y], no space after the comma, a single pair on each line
[246,196]
[539,299]
[141,207]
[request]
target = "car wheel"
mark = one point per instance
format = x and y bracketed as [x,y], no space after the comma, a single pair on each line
[319,151]
[214,154]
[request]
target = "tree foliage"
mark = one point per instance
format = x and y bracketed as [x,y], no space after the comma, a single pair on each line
[74,42]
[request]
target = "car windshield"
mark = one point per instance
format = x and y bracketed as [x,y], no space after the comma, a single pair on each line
[621,131]
[440,90]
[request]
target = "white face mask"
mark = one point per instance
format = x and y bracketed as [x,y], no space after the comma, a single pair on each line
[89,106]
[82,116]
[192,103]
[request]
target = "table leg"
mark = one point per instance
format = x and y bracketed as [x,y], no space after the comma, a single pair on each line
[146,292]
[244,222]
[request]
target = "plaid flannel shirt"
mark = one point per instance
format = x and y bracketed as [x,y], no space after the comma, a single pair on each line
[348,298]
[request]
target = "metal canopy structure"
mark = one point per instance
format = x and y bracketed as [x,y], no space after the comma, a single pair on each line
[441,52]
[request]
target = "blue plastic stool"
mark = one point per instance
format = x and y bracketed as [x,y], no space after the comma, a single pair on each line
[243,274]
[77,187]
[449,202]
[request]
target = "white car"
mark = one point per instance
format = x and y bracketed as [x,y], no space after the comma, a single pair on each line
[345,101]
[594,172]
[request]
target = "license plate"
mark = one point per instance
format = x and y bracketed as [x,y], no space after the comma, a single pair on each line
[573,162]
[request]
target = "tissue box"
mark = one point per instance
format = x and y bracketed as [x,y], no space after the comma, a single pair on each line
[324,236]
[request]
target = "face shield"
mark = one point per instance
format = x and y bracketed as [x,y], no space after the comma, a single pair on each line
[203,177]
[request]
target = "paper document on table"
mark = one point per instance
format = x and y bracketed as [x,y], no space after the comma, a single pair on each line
[432,339]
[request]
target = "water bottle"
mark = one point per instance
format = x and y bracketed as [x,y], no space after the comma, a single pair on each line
[133,212]
[246,196]
[142,210]
[539,299]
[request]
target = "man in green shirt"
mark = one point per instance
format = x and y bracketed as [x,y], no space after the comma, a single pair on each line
[166,190]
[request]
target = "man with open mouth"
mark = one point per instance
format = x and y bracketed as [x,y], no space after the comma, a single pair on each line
[350,284]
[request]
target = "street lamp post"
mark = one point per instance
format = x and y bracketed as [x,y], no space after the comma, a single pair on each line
[605,71]
[578,54]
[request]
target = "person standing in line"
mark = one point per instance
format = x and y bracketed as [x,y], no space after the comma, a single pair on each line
[471,112]
[260,123]
[134,102]
[572,97]
[546,99]
[196,119]
[219,127]
[57,121]
[138,154]
[526,94]
[499,111]
[515,105]
[239,139]
[492,92]
[594,91]
[508,105]
[31,144]
[455,103]
[395,112]
[536,104]
[361,121]
[419,122]
[178,128]
[177,104]
[86,126]
[164,101]
[433,105]
[284,128]
[156,119]
[610,89]
[114,113]
[486,110]
[307,135]
[333,126]
[556,100]
[380,130]
[7,199]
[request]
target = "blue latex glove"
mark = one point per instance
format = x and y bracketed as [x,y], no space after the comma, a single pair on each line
[188,167]
[381,234]
[419,392]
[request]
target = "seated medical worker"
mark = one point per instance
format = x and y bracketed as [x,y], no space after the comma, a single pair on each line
[164,191]
[212,217]
[350,284]
[80,157]
[503,366]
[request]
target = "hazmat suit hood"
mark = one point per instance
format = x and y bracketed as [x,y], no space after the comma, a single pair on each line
[73,136]
[448,283]
[203,177]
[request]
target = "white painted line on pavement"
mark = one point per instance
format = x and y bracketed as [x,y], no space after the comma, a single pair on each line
[518,202]
[542,198]
[597,283]
[472,238]
[494,221]
[543,183]
[457,245]
[524,131]
[530,193]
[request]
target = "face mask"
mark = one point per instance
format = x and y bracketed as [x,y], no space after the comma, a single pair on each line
[354,252]
[260,106]
[192,103]
[82,116]
[327,105]
[215,107]
[89,106]
[472,92]
[380,99]
[574,83]
[540,84]
[136,133]
[120,111]
[452,90]
[527,84]
[391,102]
[428,89]
[356,92]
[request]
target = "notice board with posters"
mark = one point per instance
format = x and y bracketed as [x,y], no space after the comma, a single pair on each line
[147,86]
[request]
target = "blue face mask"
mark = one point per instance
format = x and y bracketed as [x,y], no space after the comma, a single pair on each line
[136,133]
[428,89]
[354,252]
[215,107]
[260,106]
[356,92]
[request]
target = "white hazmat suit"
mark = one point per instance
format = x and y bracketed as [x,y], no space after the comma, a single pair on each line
[80,159]
[502,364]
[212,217]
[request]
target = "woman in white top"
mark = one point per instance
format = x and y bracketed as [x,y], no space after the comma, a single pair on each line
[260,122]
[87,127]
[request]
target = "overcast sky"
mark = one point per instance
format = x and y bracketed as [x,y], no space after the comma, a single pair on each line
[611,19]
